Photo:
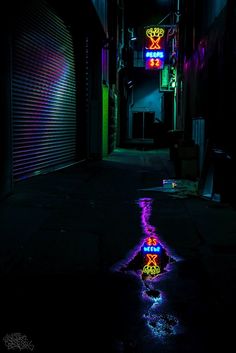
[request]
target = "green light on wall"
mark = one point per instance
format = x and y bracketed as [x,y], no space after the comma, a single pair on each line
[168,78]
[164,75]
[104,120]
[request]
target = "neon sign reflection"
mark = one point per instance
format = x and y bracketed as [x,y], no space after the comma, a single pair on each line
[154,256]
[149,260]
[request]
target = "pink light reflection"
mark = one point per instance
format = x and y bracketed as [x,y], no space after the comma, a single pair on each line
[146,206]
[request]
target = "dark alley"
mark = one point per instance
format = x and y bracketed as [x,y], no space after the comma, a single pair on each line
[117,182]
[64,237]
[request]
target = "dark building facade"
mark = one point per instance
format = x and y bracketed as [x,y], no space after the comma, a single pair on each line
[207,58]
[201,106]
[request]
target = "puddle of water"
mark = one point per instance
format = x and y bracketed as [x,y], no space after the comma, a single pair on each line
[148,261]
[150,258]
[161,325]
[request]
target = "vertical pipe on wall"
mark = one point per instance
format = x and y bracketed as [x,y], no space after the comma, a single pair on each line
[176,95]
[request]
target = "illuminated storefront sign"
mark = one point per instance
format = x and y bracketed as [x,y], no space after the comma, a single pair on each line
[168,78]
[153,64]
[154,48]
[149,258]
[155,38]
[154,54]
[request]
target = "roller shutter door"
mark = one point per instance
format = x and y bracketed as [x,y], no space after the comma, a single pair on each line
[43,94]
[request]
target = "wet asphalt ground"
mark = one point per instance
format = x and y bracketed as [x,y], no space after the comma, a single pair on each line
[65,237]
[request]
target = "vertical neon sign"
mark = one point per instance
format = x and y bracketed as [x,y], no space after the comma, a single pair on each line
[154,48]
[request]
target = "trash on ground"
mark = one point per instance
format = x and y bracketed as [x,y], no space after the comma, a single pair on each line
[178,188]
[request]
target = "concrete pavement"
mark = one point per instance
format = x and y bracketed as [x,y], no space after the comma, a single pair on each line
[62,235]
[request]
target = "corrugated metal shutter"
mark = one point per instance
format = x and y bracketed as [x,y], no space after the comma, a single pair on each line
[43,94]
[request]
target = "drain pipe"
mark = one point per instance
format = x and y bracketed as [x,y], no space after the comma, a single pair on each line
[175,108]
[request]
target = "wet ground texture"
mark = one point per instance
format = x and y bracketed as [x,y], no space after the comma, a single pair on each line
[73,262]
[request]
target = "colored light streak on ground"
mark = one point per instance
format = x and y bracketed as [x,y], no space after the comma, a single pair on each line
[151,245]
[164,324]
[150,231]
[152,260]
[151,264]
[161,325]
[149,259]
[151,270]
[151,241]
[151,249]
[152,295]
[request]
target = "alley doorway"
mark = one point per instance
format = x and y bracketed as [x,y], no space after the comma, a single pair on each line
[142,125]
